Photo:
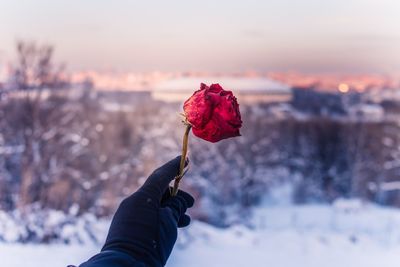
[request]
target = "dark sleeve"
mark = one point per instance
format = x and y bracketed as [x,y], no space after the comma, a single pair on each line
[112,258]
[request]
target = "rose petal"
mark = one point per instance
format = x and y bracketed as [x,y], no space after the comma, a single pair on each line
[213,113]
[217,129]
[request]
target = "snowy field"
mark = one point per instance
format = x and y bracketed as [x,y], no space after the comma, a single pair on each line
[348,233]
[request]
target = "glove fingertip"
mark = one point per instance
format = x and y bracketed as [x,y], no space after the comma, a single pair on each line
[162,176]
[187,197]
[184,221]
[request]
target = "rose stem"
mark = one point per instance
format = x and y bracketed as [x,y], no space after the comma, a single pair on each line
[183,159]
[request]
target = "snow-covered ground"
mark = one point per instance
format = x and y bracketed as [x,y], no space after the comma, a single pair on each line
[349,233]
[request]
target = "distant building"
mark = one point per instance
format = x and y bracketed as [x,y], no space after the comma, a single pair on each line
[316,102]
[2,91]
[246,89]
[125,101]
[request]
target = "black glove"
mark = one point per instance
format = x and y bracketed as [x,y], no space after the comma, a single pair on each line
[145,224]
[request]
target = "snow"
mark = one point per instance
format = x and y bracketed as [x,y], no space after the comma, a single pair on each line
[52,226]
[347,233]
[389,186]
[367,111]
[11,149]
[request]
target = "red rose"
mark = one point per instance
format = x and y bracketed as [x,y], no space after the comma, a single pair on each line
[213,113]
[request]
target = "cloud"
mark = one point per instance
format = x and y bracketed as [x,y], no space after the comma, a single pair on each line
[373,37]
[2,54]
[254,33]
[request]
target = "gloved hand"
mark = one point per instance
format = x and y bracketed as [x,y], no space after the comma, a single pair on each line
[145,224]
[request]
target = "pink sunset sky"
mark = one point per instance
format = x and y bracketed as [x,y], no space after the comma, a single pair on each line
[346,36]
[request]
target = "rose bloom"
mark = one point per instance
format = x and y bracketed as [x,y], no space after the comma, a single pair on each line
[213,113]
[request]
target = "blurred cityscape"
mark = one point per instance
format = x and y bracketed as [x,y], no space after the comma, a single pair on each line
[80,143]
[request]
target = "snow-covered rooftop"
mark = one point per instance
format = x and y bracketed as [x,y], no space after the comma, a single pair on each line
[236,84]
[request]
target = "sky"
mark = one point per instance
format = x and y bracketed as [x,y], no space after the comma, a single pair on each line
[343,36]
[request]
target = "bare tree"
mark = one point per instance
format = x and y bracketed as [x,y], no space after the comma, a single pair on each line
[33,74]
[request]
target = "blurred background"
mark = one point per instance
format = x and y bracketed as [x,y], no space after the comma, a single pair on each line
[90,96]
